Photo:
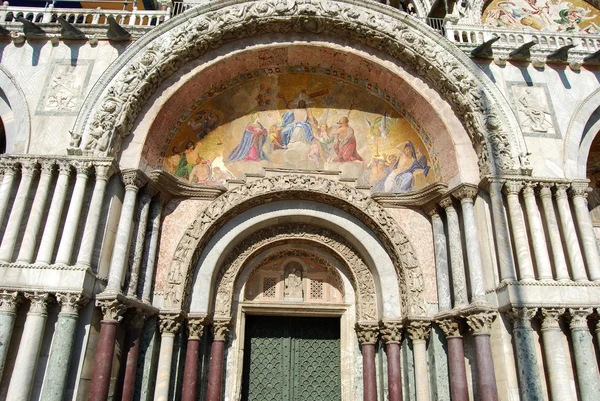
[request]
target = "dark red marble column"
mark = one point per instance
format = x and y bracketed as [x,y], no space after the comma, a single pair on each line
[394,371]
[481,326]
[103,361]
[367,333]
[458,375]
[190,373]
[132,349]
[217,353]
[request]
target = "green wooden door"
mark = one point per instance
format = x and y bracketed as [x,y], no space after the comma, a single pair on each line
[291,359]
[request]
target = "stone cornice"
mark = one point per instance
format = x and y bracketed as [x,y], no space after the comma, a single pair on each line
[420,198]
[176,188]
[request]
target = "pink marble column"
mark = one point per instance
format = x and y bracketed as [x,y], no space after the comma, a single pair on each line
[367,337]
[217,352]
[391,333]
[481,326]
[456,359]
[112,310]
[190,373]
[135,321]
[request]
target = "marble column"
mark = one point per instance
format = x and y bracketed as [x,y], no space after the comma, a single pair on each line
[558,254]
[190,374]
[586,366]
[37,213]
[88,240]
[59,360]
[169,326]
[21,381]
[586,229]
[512,189]
[112,312]
[137,248]
[11,233]
[536,230]
[466,193]
[10,169]
[418,331]
[133,181]
[71,226]
[459,281]
[456,359]
[569,233]
[481,327]
[391,333]
[9,303]
[367,333]
[150,255]
[554,353]
[46,249]
[504,249]
[134,321]
[441,260]
[597,334]
[217,354]
[528,371]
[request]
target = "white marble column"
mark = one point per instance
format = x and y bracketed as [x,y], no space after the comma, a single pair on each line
[36,215]
[67,240]
[137,248]
[530,384]
[459,281]
[554,354]
[558,255]
[503,247]
[169,326]
[466,193]
[578,193]
[536,230]
[588,378]
[150,255]
[9,302]
[569,233]
[11,234]
[133,181]
[90,232]
[21,381]
[441,260]
[10,169]
[512,189]
[46,249]
[418,331]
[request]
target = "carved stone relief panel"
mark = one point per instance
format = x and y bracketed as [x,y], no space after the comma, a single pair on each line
[66,83]
[534,110]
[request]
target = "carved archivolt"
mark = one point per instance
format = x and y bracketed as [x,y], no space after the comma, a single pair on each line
[295,186]
[362,279]
[114,103]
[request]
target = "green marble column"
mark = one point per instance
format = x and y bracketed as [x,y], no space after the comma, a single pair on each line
[586,366]
[527,364]
[9,302]
[62,347]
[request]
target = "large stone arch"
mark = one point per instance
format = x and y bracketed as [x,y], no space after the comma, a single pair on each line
[111,109]
[362,279]
[14,112]
[582,128]
[297,187]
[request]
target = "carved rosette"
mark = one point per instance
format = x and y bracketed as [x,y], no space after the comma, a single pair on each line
[579,318]
[551,318]
[70,303]
[367,332]
[418,330]
[196,327]
[9,301]
[133,180]
[112,309]
[391,331]
[38,302]
[169,323]
[221,328]
[481,323]
[450,327]
[521,317]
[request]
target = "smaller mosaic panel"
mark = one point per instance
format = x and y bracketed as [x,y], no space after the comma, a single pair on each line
[64,89]
[534,110]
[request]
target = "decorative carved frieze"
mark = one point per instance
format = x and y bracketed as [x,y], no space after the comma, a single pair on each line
[367,332]
[450,327]
[38,302]
[70,302]
[579,318]
[521,317]
[391,331]
[481,322]
[112,309]
[551,318]
[196,326]
[221,328]
[418,330]
[169,322]
[9,301]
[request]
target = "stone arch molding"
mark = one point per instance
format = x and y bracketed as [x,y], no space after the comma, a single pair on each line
[362,279]
[581,131]
[296,186]
[15,114]
[111,108]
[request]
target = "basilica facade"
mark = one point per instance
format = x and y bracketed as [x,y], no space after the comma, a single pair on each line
[309,200]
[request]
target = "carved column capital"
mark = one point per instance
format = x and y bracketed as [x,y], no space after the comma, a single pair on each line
[112,309]
[512,188]
[221,329]
[10,301]
[169,323]
[70,303]
[579,189]
[196,327]
[551,318]
[133,179]
[82,167]
[481,323]
[149,191]
[579,318]
[432,210]
[391,331]
[64,167]
[10,167]
[103,171]
[29,167]
[419,330]
[450,327]
[135,318]
[521,317]
[545,189]
[529,188]
[47,167]
[560,190]
[38,302]
[367,332]
[447,203]
[465,192]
